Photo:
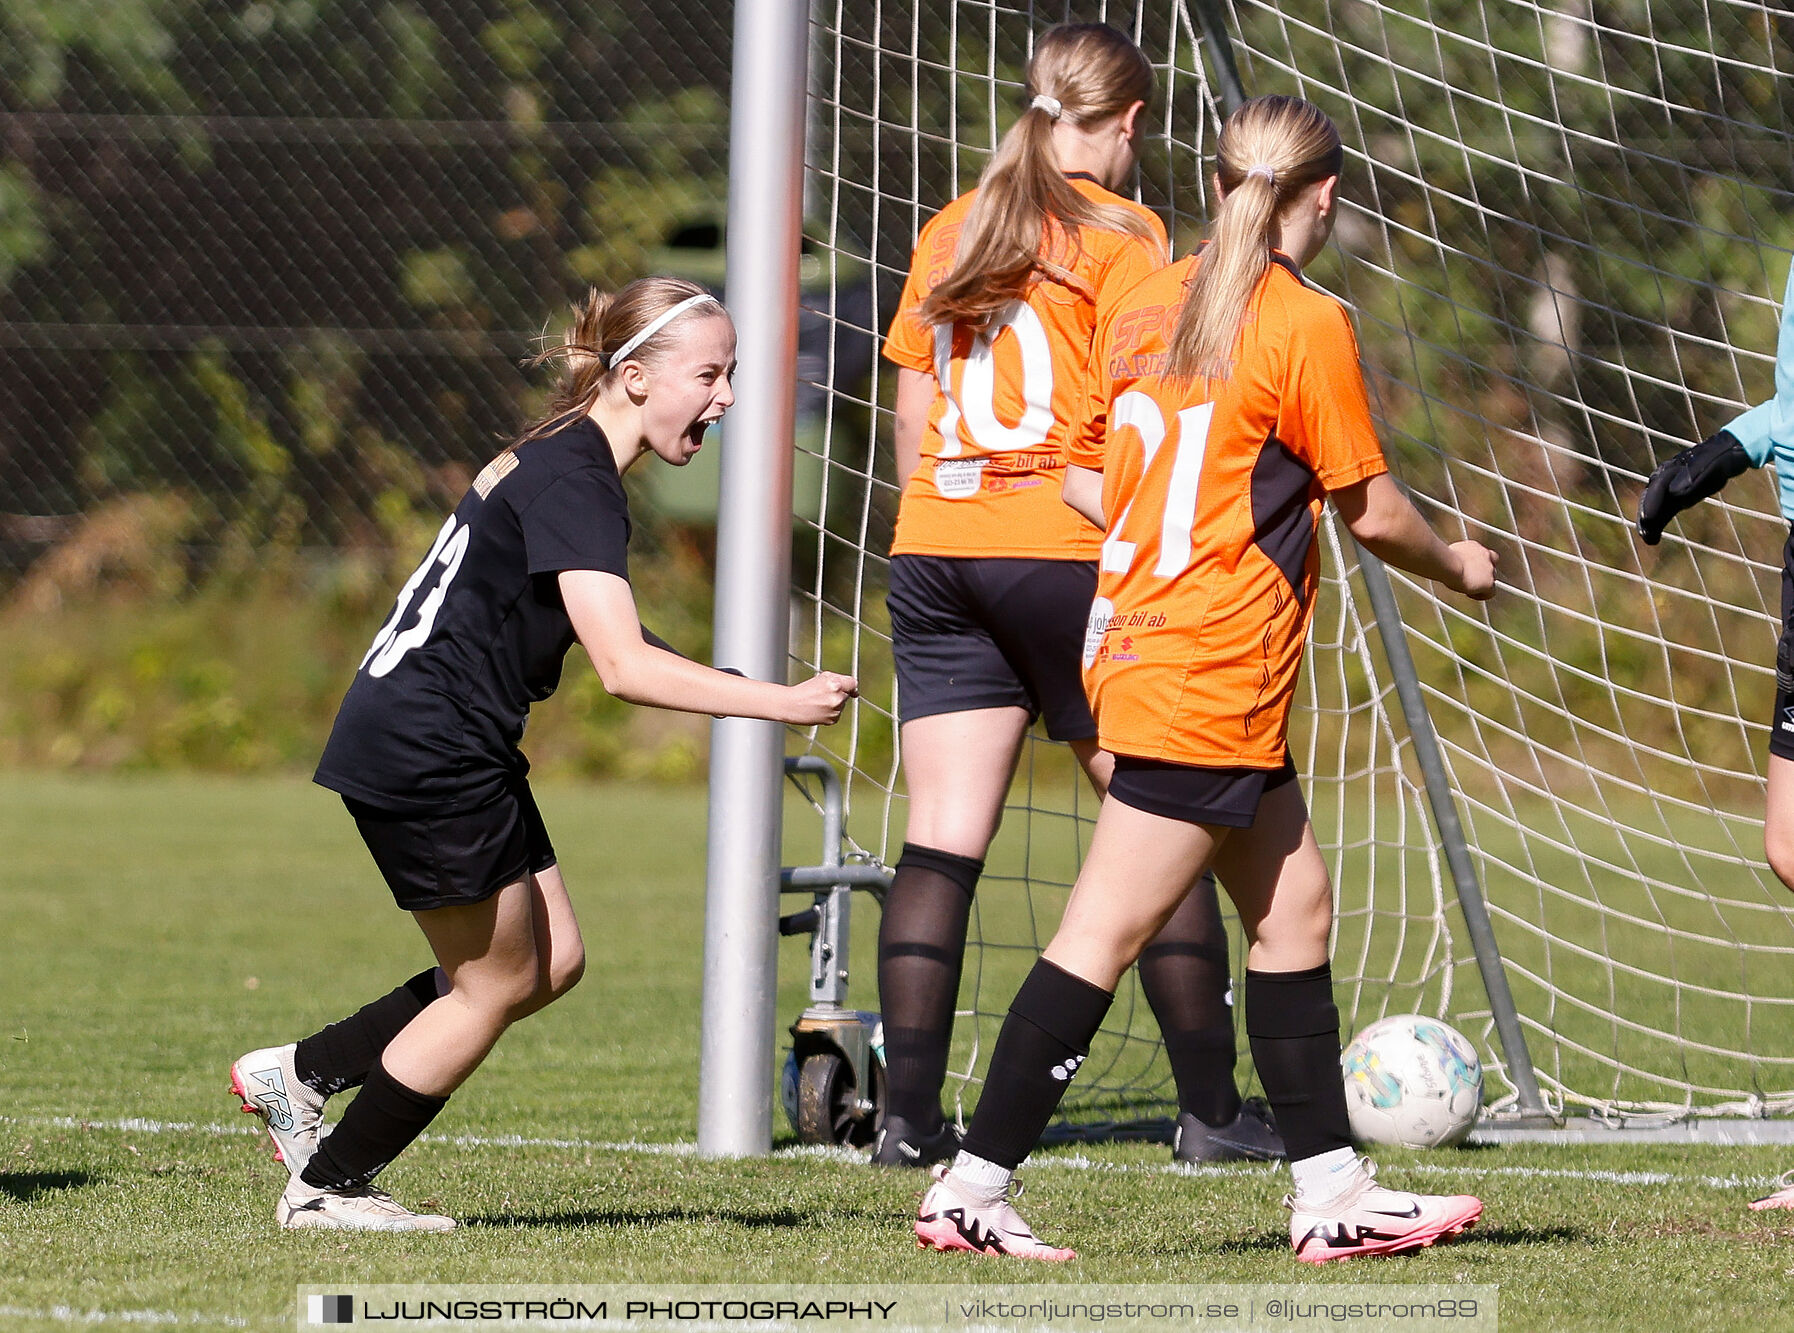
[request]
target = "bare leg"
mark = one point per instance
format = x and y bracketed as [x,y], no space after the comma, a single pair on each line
[1778,819]
[1278,881]
[560,951]
[1185,975]
[1098,764]
[1139,869]
[958,767]
[505,958]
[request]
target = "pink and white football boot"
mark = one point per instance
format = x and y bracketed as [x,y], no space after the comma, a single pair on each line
[1782,1196]
[1364,1218]
[950,1219]
[293,1114]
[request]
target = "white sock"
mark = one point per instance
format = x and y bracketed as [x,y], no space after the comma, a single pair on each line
[1324,1175]
[985,1181]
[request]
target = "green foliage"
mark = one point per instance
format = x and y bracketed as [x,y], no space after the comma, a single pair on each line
[419,78]
[520,42]
[1514,160]
[23,238]
[436,278]
[624,224]
[326,166]
[133,41]
[247,511]
[246,674]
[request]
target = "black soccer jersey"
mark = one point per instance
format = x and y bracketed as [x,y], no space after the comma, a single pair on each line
[433,717]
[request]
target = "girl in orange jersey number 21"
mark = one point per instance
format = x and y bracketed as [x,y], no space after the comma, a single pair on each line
[992,576]
[1235,406]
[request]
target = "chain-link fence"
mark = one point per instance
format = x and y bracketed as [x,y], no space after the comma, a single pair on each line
[267,269]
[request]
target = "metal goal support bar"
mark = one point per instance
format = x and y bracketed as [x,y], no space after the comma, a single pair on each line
[1443,803]
[753,576]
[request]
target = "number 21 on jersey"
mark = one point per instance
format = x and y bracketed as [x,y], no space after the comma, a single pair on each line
[392,643]
[1186,436]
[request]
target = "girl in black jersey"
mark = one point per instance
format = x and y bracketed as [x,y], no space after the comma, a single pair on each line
[424,750]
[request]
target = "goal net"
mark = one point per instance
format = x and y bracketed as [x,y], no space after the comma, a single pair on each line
[1564,231]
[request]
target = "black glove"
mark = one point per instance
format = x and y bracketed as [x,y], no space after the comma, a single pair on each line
[1690,477]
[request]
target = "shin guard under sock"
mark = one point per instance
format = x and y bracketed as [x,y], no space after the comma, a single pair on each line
[341,1055]
[921,946]
[1044,1039]
[1293,1024]
[384,1119]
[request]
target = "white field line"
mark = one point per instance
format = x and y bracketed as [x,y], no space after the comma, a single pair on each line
[67,1314]
[136,1125]
[850,1157]
[1078,1162]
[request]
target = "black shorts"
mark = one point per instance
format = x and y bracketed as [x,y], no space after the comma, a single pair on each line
[1226,796]
[1781,722]
[453,860]
[992,633]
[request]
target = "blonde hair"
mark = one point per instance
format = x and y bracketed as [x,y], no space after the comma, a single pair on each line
[1093,73]
[602,326]
[1270,150]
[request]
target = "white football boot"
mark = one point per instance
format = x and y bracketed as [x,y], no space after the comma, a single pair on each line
[293,1113]
[952,1220]
[366,1209]
[1364,1218]
[1780,1197]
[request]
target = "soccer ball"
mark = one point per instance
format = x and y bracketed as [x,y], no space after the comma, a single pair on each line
[1412,1082]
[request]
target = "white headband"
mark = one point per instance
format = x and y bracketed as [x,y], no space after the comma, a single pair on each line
[1262,170]
[655,326]
[1051,105]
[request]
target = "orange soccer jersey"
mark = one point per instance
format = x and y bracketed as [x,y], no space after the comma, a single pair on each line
[993,452]
[1213,489]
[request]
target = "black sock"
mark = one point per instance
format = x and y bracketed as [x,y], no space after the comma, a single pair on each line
[1044,1039]
[1294,1029]
[921,946]
[383,1120]
[1202,1064]
[341,1055]
[1185,976]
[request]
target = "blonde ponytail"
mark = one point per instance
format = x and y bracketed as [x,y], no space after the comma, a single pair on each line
[1084,73]
[1270,150]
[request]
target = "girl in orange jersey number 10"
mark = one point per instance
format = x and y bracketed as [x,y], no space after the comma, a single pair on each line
[1234,405]
[992,576]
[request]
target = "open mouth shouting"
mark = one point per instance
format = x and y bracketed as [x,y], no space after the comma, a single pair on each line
[694,433]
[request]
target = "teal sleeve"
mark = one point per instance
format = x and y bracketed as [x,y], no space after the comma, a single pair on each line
[1767,430]
[1755,431]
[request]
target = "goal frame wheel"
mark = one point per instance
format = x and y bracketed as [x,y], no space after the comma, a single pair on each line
[833,1084]
[828,1103]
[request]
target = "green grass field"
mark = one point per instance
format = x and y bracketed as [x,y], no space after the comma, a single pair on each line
[156,927]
